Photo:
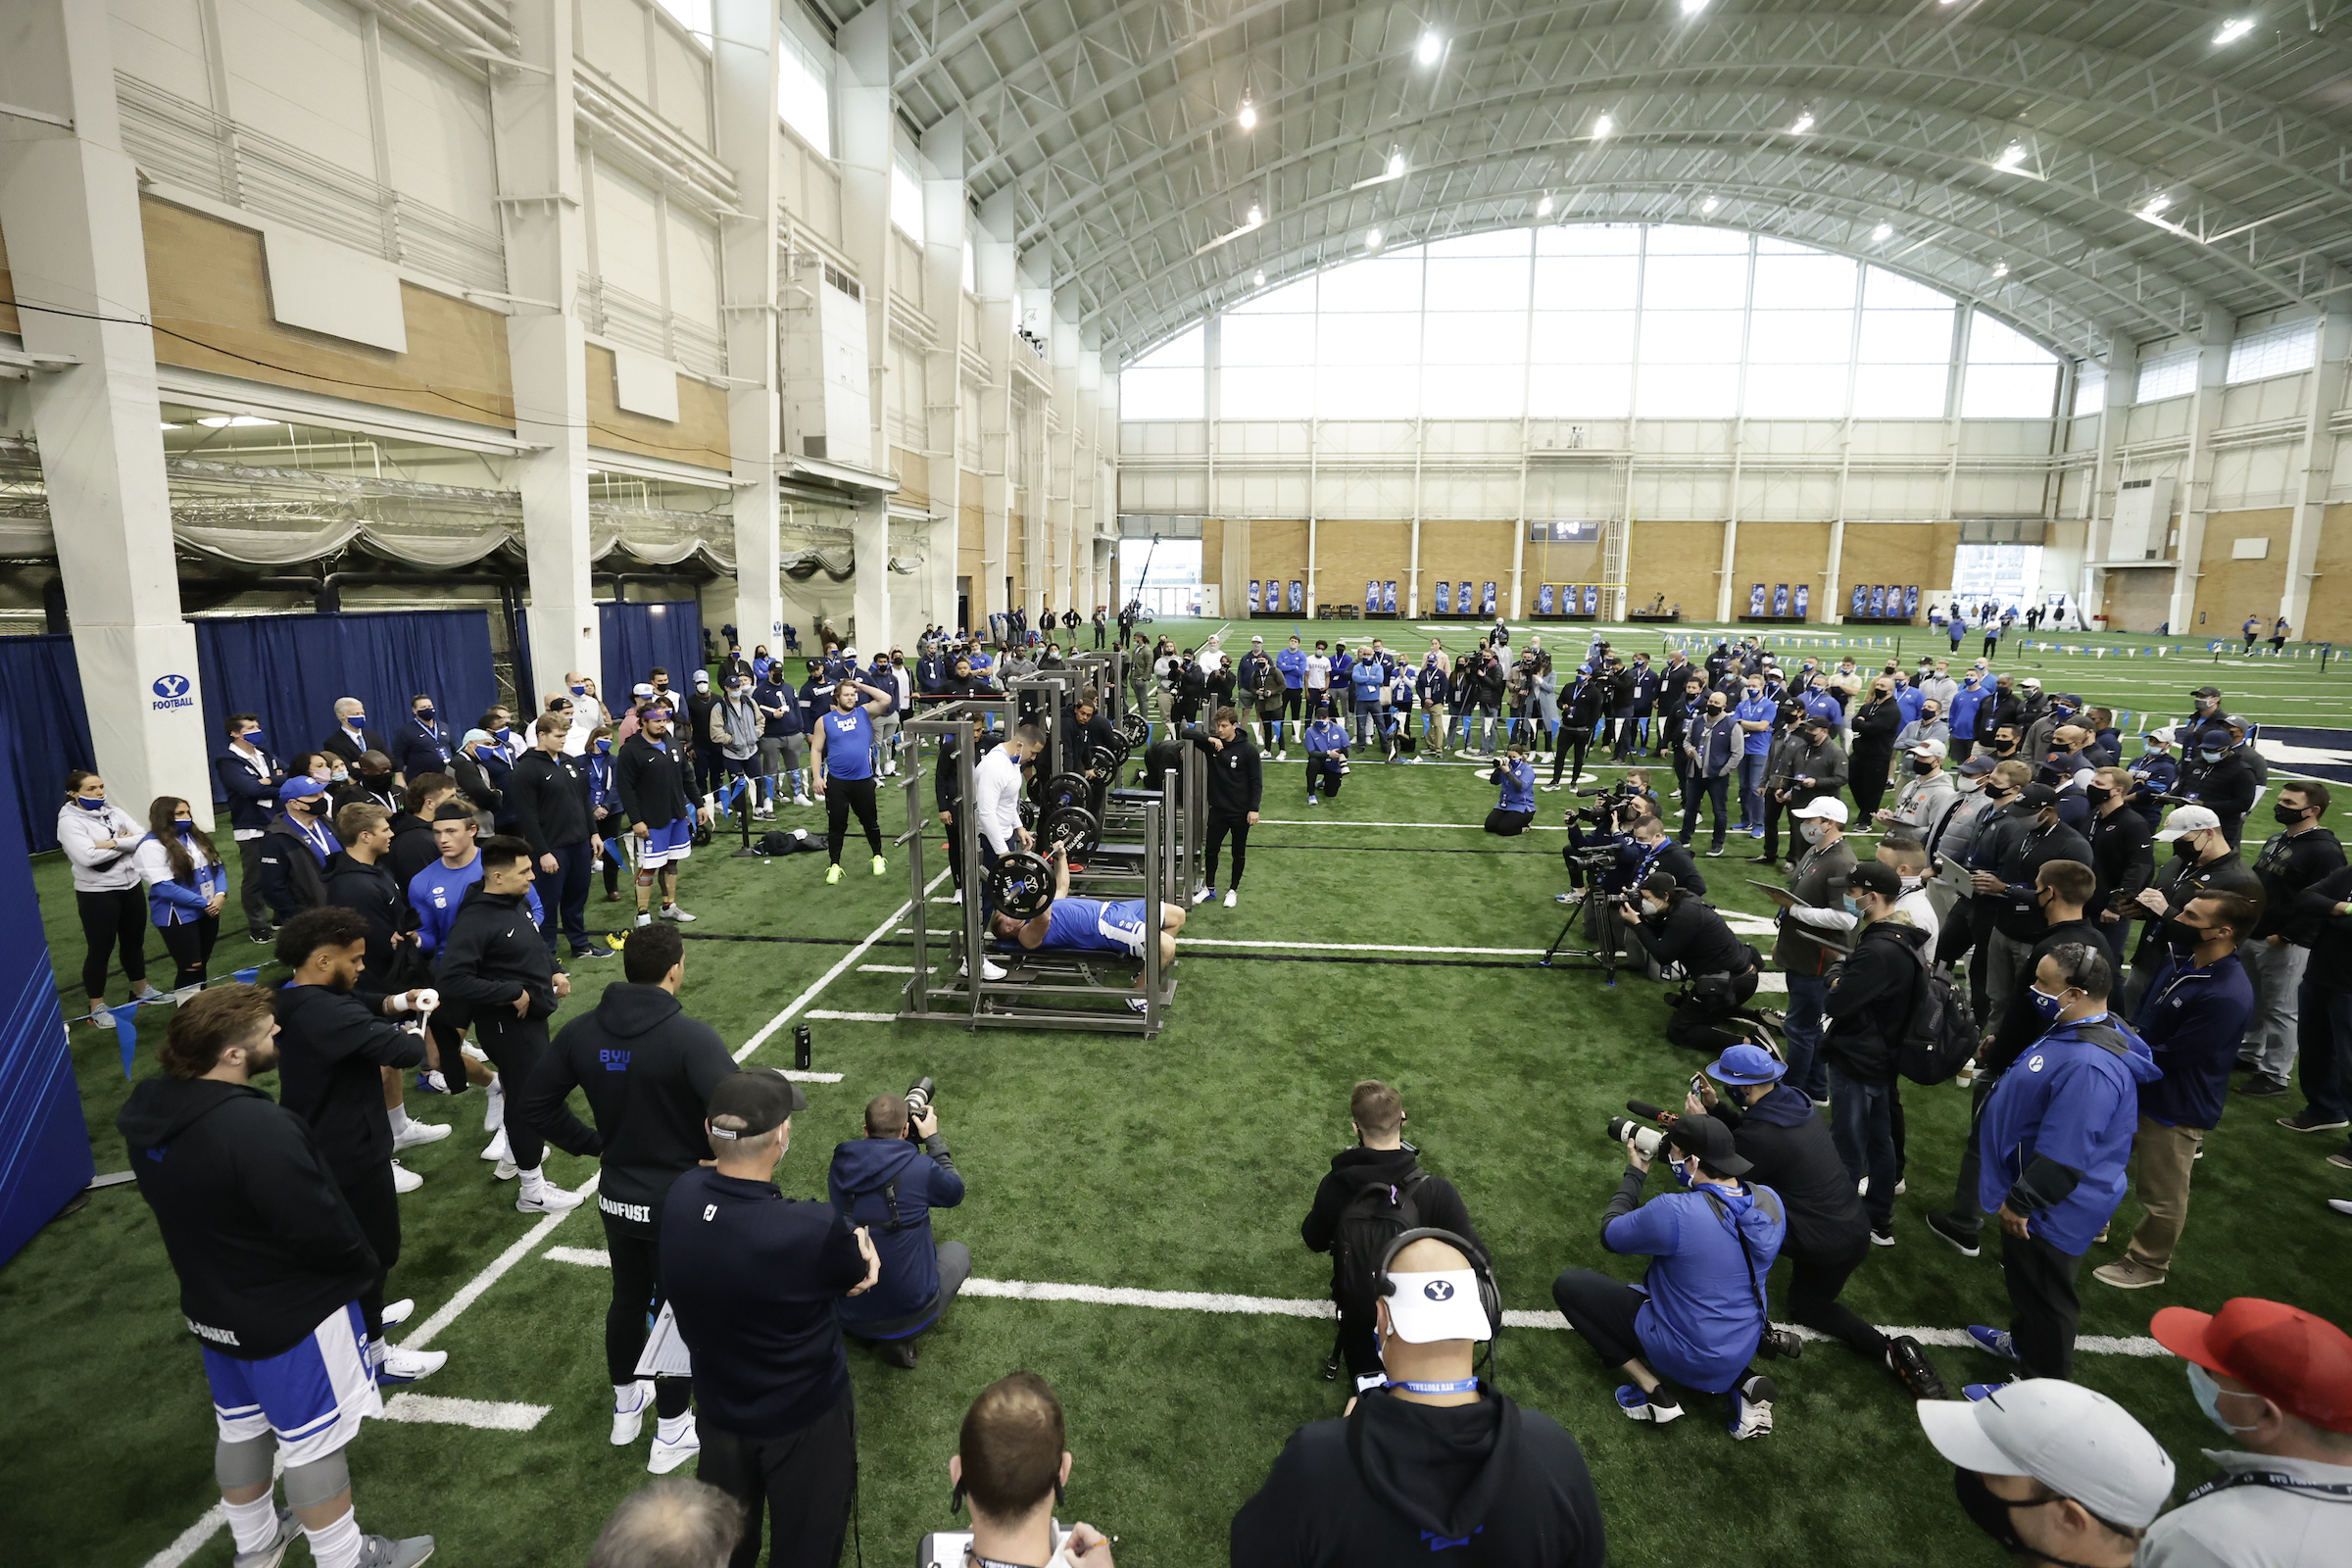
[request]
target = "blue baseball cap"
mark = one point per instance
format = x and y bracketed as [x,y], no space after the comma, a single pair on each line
[1747,1064]
[299,789]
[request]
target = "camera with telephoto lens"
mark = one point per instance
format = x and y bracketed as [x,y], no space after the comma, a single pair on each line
[1644,1141]
[918,1104]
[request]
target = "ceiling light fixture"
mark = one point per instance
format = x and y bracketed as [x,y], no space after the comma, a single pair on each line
[1257,279]
[1372,239]
[1692,8]
[2155,206]
[1248,117]
[2234,29]
[2011,156]
[1256,215]
[1804,123]
[1602,124]
[1881,235]
[1709,205]
[1543,208]
[2000,268]
[1429,48]
[1395,165]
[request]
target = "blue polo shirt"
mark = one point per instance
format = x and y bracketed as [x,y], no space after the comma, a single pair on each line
[1755,709]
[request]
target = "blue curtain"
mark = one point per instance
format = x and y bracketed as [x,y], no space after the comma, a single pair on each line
[289,669]
[638,637]
[48,730]
[45,1145]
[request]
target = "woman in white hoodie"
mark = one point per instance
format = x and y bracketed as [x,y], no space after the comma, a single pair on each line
[187,887]
[98,838]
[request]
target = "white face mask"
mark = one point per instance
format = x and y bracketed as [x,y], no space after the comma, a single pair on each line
[1810,831]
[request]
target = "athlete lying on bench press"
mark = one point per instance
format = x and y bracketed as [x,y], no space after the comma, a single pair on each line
[1090,926]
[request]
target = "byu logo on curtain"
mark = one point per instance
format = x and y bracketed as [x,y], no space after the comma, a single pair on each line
[1438,1290]
[172,691]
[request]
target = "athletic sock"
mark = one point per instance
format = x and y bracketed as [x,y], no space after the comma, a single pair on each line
[671,1428]
[399,1115]
[626,1396]
[534,1181]
[255,1523]
[338,1544]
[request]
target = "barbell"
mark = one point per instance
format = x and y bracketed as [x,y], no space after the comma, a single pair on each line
[1072,828]
[1021,884]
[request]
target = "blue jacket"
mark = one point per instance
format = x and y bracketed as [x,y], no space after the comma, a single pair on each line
[252,798]
[926,1180]
[1343,670]
[2056,1131]
[422,747]
[1717,744]
[1292,661]
[1823,703]
[1326,735]
[1367,676]
[1705,1313]
[180,899]
[1965,702]
[2192,1020]
[1518,783]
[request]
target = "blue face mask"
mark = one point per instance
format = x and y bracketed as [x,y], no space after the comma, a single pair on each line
[1853,906]
[2047,1005]
[579,691]
[356,723]
[89,805]
[183,826]
[2211,754]
[505,733]
[604,747]
[2208,1395]
[252,737]
[1681,1175]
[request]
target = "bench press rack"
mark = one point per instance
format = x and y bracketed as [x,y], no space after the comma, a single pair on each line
[1043,989]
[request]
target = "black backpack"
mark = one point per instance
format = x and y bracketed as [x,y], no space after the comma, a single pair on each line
[1375,1216]
[1939,1036]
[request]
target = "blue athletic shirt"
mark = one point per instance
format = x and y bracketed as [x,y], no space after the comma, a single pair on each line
[1104,925]
[848,743]
[436,893]
[1755,709]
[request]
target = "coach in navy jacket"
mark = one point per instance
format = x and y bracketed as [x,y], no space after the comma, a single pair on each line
[888,1185]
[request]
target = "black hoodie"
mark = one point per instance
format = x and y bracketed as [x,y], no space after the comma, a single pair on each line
[1236,779]
[1870,1001]
[647,1070]
[494,953]
[370,890]
[253,1220]
[1788,1142]
[1397,1481]
[1354,1169]
[330,1044]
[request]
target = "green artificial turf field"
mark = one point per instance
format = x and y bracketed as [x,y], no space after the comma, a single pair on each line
[1181,1164]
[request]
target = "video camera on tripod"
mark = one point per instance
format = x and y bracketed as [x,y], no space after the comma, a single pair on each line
[1607,812]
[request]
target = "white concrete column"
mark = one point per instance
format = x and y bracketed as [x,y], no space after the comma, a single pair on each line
[547,345]
[867,150]
[945,216]
[1062,462]
[2325,396]
[70,204]
[1086,469]
[2197,489]
[992,274]
[742,48]
[2115,414]
[1731,519]
[871,603]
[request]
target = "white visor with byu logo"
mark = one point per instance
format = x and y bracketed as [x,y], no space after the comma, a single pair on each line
[1425,1308]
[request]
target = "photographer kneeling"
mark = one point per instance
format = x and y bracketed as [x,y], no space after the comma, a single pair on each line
[1516,776]
[887,1183]
[1788,1144]
[1699,1312]
[1672,925]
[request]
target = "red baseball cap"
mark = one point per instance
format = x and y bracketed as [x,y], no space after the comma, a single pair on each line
[2297,1361]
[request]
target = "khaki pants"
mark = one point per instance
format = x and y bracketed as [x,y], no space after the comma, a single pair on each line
[2163,1158]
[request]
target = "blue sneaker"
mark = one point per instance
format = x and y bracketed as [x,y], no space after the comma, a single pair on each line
[1755,832]
[1994,1342]
[1656,1409]
[1740,827]
[429,1082]
[1977,1391]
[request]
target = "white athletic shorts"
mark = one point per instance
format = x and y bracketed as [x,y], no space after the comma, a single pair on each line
[313,1396]
[666,844]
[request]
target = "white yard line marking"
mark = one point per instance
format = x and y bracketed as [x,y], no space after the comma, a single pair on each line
[1288,1306]
[487,1414]
[192,1540]
[851,1017]
[1334,821]
[1356,946]
[886,968]
[585,1256]
[840,967]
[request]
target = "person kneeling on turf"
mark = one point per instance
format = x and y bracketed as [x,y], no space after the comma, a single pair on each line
[1092,925]
[1699,1314]
[1672,925]
[1516,776]
[1434,1459]
[888,1182]
[1326,756]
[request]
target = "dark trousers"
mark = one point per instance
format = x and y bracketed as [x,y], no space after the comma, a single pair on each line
[1567,742]
[2324,1060]
[1862,1125]
[636,1303]
[1220,825]
[249,887]
[801,1485]
[1601,1309]
[1773,812]
[1323,778]
[1698,1022]
[190,944]
[841,797]
[1717,789]
[110,922]
[375,1204]
[563,896]
[1812,1299]
[2044,1311]
[1357,1343]
[611,866]
[954,1267]
[515,1045]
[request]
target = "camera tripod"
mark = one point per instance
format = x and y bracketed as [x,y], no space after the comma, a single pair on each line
[1605,931]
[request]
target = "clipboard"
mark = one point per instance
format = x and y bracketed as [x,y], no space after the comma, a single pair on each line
[666,1355]
[1775,892]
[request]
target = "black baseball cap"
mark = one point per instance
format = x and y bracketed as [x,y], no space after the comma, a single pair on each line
[1711,1141]
[1876,876]
[763,1098]
[2038,797]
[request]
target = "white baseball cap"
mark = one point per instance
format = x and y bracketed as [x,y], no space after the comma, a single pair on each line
[1930,749]
[1828,806]
[1424,1309]
[2189,820]
[2073,1439]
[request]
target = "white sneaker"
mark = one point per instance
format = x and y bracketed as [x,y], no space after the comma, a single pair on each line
[629,1422]
[1751,1405]
[421,1132]
[398,1312]
[498,1148]
[506,1170]
[670,1452]
[801,800]
[1233,896]
[674,911]
[402,1365]
[2341,1205]
[494,1114]
[545,1199]
[1203,896]
[990,969]
[405,1180]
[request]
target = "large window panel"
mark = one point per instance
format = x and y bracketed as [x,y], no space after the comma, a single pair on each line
[1264,392]
[2167,375]
[1476,283]
[1177,393]
[906,199]
[1580,391]
[1683,283]
[1350,339]
[1391,283]
[2009,375]
[1800,337]
[1582,337]
[1276,340]
[1900,391]
[1883,290]
[1690,338]
[1814,281]
[1687,391]
[2278,350]
[805,89]
[1348,392]
[1901,337]
[1590,239]
[1563,282]
[1674,239]
[1493,242]
[1481,337]
[1294,298]
[1471,391]
[1797,391]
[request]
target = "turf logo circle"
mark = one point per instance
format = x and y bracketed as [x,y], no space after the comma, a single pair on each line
[1438,1290]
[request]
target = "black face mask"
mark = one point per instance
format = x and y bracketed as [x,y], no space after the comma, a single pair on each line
[1996,1515]
[2098,797]
[2285,815]
[1923,766]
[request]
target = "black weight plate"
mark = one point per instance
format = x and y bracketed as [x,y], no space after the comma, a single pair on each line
[1066,789]
[1073,829]
[1135,729]
[1104,761]
[1022,884]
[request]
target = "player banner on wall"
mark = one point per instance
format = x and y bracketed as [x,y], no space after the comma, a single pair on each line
[1254,596]
[1486,599]
[1877,598]
[1544,600]
[1803,600]
[1371,596]
[1387,597]
[1861,600]
[1445,597]
[1592,595]
[1297,597]
[1756,599]
[1911,599]
[1780,599]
